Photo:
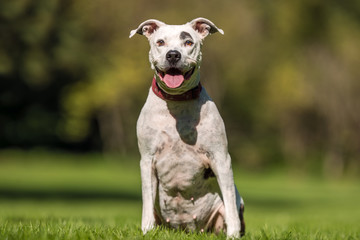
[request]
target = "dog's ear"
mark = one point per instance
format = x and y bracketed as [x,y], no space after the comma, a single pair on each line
[204,27]
[147,28]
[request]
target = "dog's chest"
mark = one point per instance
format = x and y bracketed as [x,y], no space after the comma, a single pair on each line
[179,137]
[174,133]
[179,159]
[180,167]
[187,189]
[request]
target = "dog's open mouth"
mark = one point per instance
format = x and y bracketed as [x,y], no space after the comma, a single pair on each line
[173,78]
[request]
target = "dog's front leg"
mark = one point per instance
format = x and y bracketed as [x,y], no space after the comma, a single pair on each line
[223,171]
[149,184]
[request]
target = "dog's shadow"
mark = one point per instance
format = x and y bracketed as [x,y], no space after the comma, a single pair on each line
[187,116]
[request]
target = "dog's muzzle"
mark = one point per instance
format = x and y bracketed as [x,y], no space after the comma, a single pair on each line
[173,56]
[174,77]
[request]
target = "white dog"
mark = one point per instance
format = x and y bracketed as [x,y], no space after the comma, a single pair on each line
[186,173]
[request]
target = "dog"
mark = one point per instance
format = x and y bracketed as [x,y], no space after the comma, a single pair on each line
[186,172]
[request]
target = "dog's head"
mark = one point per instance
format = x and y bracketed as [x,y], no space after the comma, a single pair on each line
[175,51]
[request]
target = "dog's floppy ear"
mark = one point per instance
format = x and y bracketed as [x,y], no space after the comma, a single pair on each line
[204,27]
[147,28]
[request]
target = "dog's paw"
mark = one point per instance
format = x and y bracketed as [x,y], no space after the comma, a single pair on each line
[146,227]
[233,236]
[233,233]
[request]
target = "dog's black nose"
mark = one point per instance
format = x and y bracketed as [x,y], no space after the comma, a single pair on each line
[173,56]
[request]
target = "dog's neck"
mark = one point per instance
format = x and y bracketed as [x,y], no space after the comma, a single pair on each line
[189,95]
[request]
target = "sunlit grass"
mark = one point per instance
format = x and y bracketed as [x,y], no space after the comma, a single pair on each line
[62,196]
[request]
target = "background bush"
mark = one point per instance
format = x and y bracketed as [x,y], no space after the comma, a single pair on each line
[285,77]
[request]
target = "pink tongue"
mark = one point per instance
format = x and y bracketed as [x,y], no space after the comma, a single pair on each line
[173,81]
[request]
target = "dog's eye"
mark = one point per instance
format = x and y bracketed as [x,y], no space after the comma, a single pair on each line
[189,43]
[160,43]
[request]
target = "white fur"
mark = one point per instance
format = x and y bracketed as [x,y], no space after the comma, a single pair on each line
[180,141]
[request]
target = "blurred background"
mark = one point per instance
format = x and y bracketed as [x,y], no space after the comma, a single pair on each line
[285,77]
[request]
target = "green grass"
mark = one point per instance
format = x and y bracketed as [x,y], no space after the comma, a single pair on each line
[62,196]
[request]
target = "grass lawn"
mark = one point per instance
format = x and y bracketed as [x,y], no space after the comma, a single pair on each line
[61,196]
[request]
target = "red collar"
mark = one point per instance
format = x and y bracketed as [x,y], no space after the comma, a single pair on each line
[189,95]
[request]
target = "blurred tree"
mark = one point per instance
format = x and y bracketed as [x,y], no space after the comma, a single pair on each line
[34,69]
[284,75]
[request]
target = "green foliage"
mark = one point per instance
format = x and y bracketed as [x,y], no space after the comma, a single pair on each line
[51,199]
[284,75]
[53,229]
